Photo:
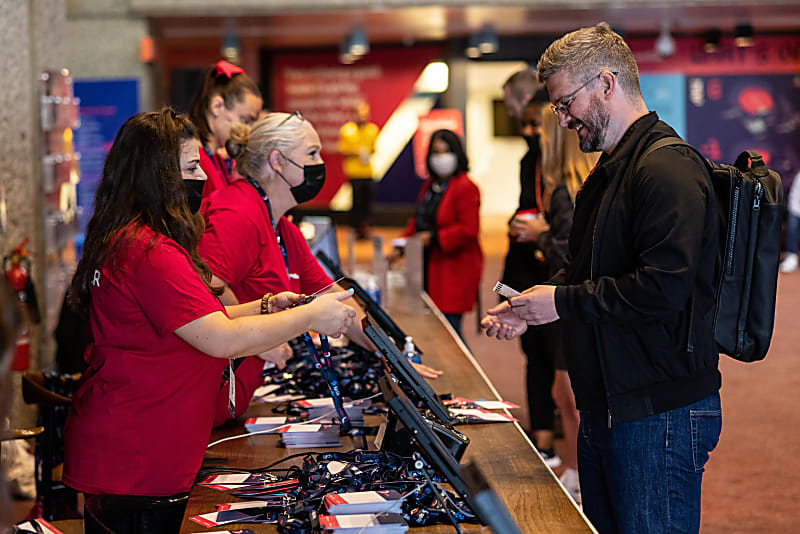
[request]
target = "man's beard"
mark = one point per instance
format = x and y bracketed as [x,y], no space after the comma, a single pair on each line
[596,124]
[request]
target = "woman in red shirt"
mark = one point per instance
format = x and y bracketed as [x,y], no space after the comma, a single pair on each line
[140,421]
[248,243]
[447,221]
[226,97]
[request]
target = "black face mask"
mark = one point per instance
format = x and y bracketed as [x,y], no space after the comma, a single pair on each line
[194,193]
[532,140]
[313,180]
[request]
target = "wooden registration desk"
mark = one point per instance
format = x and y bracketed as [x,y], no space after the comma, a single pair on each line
[501,450]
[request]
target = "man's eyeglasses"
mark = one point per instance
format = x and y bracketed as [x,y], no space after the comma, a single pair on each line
[532,124]
[562,106]
[292,114]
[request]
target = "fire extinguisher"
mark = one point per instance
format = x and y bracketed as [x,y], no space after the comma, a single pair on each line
[17,267]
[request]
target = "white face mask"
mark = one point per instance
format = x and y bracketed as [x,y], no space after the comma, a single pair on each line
[444,165]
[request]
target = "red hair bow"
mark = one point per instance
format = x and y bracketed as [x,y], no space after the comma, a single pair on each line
[228,69]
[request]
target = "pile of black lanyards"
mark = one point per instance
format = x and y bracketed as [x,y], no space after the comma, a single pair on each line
[294,495]
[358,371]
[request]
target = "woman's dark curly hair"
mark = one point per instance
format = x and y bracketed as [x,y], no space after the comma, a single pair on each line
[141,186]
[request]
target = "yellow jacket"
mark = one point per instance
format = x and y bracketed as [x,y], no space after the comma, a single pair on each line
[355,140]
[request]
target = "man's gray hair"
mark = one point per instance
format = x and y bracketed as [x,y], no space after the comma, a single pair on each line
[522,83]
[589,51]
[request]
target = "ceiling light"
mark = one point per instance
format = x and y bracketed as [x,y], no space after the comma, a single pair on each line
[472,51]
[665,44]
[713,38]
[487,42]
[359,45]
[744,35]
[345,57]
[230,47]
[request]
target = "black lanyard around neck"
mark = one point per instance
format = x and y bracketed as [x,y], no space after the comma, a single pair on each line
[265,199]
[223,166]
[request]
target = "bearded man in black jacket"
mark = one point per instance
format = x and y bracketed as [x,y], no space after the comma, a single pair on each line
[636,297]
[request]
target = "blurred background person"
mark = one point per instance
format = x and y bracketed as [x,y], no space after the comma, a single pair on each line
[226,97]
[447,221]
[9,326]
[564,169]
[356,145]
[525,264]
[789,262]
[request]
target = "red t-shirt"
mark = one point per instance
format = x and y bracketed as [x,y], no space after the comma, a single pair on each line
[140,422]
[241,248]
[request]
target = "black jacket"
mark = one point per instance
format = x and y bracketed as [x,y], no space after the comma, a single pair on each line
[643,242]
[554,243]
[522,268]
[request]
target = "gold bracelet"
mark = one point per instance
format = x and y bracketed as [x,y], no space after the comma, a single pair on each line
[265,303]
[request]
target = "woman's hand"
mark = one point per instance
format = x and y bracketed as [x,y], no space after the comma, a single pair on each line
[278,356]
[330,316]
[425,238]
[394,255]
[427,372]
[527,229]
[283,301]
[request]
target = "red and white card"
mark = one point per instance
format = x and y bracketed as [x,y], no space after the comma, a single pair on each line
[482,403]
[483,416]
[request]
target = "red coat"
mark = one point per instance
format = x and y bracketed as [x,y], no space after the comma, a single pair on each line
[456,260]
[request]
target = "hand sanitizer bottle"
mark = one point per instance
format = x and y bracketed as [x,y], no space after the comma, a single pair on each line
[411,351]
[373,289]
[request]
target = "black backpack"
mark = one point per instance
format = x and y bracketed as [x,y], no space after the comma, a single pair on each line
[751,209]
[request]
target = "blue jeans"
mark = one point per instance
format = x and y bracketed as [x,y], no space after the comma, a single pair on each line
[792,232]
[644,476]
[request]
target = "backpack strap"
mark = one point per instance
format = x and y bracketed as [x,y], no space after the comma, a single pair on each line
[677,141]
[661,143]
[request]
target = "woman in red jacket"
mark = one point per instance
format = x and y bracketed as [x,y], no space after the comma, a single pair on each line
[226,97]
[447,221]
[140,421]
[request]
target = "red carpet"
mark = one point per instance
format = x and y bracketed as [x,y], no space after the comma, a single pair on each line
[752,482]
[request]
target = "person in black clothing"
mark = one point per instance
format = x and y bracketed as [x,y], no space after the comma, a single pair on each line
[525,264]
[636,297]
[564,168]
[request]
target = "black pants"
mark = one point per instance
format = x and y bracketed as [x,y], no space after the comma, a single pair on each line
[363,189]
[129,514]
[539,378]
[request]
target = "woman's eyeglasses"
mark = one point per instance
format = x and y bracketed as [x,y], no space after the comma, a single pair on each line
[292,114]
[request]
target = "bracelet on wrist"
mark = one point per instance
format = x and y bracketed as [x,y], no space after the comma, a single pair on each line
[265,303]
